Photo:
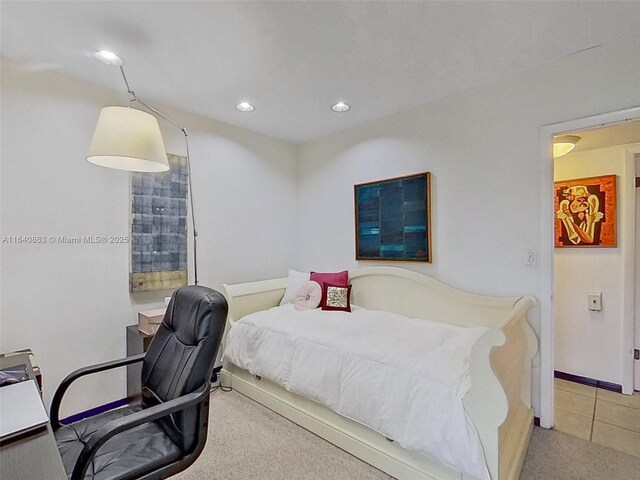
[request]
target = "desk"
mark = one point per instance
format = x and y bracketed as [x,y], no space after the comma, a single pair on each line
[34,457]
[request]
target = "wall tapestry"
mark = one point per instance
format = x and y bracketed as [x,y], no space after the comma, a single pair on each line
[586,212]
[159,228]
[393,219]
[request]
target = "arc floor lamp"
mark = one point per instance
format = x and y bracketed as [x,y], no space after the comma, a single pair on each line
[129,139]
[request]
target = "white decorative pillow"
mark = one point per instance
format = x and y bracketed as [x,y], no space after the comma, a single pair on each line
[308,296]
[294,283]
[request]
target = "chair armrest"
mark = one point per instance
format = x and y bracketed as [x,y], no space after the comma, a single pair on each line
[81,372]
[128,422]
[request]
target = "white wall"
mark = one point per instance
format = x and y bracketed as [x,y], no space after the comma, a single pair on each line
[590,343]
[483,149]
[71,303]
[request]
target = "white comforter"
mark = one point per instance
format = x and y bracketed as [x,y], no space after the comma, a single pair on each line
[404,378]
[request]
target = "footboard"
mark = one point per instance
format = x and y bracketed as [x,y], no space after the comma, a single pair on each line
[498,403]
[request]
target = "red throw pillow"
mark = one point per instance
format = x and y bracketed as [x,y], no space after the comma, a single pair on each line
[336,297]
[339,278]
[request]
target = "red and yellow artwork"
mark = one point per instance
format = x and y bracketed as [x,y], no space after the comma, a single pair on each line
[585,211]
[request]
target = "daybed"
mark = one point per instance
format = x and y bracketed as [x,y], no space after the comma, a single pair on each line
[498,404]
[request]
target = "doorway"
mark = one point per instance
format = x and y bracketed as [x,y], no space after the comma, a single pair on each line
[547,257]
[594,256]
[594,209]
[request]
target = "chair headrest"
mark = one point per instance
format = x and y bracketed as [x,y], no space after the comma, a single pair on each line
[196,307]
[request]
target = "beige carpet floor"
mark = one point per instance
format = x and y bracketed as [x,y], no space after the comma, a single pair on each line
[247,441]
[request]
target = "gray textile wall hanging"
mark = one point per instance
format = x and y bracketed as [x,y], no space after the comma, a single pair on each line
[159,228]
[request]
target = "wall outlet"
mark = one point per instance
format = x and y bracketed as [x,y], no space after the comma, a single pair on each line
[594,300]
[530,258]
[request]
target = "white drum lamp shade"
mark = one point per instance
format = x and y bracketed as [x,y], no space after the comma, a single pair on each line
[128,139]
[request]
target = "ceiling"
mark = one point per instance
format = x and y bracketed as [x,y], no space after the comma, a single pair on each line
[608,136]
[293,60]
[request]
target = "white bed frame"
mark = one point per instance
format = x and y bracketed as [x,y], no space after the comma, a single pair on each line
[499,402]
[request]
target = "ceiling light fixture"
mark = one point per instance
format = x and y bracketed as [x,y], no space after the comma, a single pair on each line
[340,107]
[245,107]
[108,58]
[126,138]
[564,144]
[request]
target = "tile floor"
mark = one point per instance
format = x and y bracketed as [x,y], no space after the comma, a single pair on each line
[600,416]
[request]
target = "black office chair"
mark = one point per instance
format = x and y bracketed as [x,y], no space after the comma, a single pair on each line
[167,430]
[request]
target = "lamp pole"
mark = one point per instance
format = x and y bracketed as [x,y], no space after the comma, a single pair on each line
[134,98]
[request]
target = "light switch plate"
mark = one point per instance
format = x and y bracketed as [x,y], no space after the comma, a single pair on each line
[530,258]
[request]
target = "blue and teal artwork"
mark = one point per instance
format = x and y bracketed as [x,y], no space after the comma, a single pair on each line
[393,219]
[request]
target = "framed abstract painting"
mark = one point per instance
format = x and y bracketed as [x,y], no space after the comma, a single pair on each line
[393,219]
[159,228]
[585,210]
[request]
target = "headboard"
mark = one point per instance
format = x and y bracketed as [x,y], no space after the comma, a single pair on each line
[396,290]
[415,295]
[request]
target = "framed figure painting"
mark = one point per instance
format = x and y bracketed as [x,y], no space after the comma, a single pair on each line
[393,219]
[585,210]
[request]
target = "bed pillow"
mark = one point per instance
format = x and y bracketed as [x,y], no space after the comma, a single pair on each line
[336,297]
[295,281]
[338,278]
[308,296]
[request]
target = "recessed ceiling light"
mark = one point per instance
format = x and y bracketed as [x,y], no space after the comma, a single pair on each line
[340,107]
[108,58]
[245,107]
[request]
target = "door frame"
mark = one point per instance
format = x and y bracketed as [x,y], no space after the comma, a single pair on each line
[547,278]
[637,279]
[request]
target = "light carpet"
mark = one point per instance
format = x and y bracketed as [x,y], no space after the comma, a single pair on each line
[248,441]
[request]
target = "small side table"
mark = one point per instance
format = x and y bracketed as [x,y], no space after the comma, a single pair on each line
[137,342]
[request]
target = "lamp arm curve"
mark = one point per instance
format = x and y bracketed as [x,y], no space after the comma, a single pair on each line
[135,98]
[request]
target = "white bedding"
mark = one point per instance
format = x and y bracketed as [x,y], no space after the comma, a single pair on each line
[402,377]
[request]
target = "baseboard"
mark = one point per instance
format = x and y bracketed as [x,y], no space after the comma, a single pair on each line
[592,382]
[95,411]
